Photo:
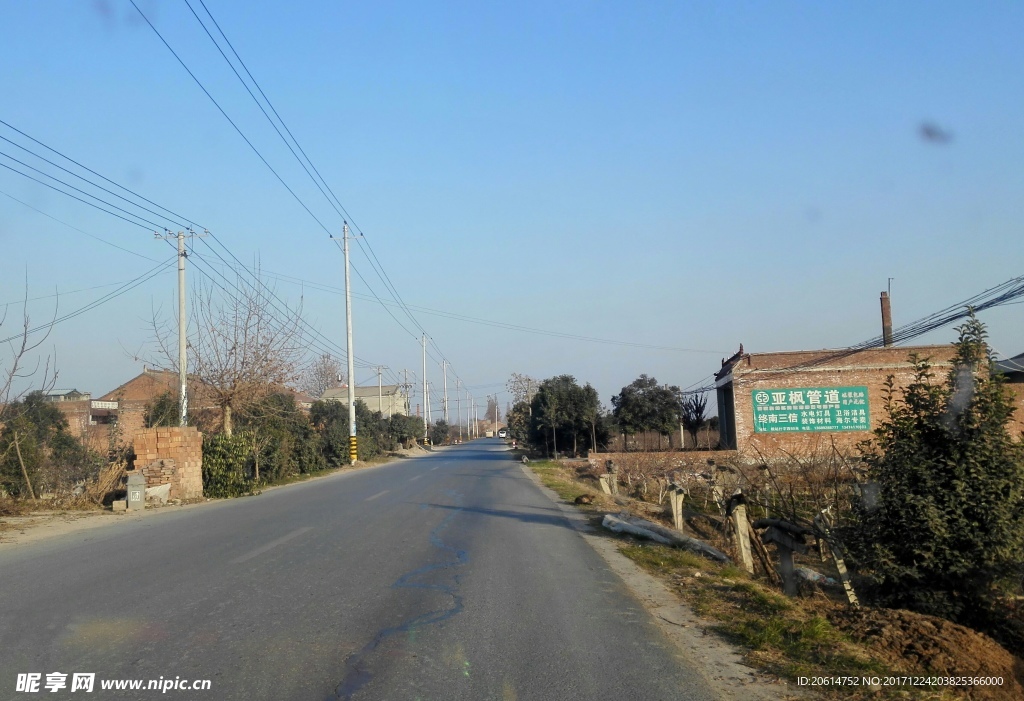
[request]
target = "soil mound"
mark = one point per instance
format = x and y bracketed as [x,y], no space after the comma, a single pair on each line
[917,644]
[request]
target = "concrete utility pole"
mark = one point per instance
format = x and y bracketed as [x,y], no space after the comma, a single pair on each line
[408,390]
[458,407]
[423,341]
[182,324]
[353,453]
[444,406]
[380,393]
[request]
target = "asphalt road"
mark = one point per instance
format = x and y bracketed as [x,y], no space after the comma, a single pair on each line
[450,576]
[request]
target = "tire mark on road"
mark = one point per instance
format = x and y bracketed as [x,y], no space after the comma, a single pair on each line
[357,674]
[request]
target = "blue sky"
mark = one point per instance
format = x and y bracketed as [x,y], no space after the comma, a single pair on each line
[689,175]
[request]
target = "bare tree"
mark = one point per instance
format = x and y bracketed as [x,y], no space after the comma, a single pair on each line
[240,350]
[18,349]
[16,378]
[522,387]
[320,375]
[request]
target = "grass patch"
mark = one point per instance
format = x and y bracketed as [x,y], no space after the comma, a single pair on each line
[554,477]
[782,635]
[663,560]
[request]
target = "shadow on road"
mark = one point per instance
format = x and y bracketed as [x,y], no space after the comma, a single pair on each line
[551,520]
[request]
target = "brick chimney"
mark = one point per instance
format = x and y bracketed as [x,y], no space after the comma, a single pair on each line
[886,321]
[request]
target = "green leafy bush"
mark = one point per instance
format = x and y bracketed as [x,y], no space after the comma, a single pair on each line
[225,466]
[947,534]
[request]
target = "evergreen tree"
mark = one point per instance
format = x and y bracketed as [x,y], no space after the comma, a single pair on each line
[947,532]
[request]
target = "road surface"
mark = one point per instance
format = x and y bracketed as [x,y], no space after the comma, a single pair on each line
[449,576]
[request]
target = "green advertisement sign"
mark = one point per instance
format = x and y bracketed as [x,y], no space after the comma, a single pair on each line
[810,409]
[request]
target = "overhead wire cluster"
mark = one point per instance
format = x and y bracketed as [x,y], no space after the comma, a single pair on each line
[1005,293]
[130,209]
[224,48]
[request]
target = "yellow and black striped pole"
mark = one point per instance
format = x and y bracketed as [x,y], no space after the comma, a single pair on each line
[353,453]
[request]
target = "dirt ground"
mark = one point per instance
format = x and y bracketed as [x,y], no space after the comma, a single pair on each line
[912,642]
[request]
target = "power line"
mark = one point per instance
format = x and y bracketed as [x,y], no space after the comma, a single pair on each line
[76,189]
[230,121]
[90,170]
[1003,293]
[340,209]
[487,322]
[68,194]
[76,175]
[81,231]
[270,104]
[126,287]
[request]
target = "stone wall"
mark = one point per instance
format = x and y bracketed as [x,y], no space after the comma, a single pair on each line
[183,446]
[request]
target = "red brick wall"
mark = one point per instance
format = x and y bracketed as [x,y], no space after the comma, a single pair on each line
[183,445]
[1017,422]
[867,368]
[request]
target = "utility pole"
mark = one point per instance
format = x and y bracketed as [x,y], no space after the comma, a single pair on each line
[182,323]
[495,414]
[444,406]
[380,393]
[407,387]
[458,407]
[423,341]
[353,453]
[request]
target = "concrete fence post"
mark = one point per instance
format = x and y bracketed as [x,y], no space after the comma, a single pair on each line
[613,469]
[676,496]
[742,533]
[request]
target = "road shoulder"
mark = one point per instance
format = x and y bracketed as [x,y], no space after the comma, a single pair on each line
[721,663]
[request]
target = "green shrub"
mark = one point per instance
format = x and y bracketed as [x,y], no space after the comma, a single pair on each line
[948,529]
[226,466]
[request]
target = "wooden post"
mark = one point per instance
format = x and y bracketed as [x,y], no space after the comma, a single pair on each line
[739,521]
[675,497]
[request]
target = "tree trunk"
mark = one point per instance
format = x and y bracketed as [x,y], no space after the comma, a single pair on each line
[24,472]
[227,420]
[593,437]
[554,441]
[574,443]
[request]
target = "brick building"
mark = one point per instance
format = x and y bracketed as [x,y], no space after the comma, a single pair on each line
[124,407]
[799,402]
[392,399]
